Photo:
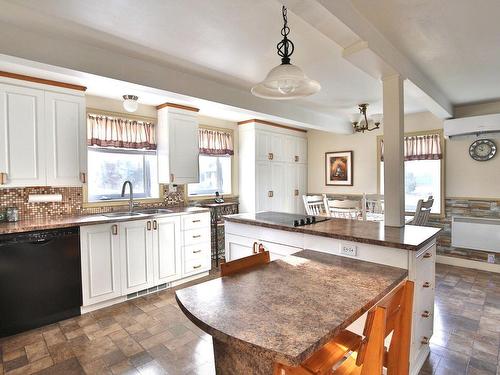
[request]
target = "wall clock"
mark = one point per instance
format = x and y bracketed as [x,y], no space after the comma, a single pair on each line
[482,149]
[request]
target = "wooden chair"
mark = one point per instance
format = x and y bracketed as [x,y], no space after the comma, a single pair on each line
[238,265]
[314,205]
[345,209]
[348,354]
[422,212]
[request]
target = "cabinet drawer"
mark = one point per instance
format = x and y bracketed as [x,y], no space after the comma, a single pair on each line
[198,251]
[425,266]
[196,221]
[196,236]
[197,265]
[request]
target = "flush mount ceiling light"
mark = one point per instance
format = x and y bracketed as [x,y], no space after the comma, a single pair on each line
[363,124]
[286,81]
[130,103]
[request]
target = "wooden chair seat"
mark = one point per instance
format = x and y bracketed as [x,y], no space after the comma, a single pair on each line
[349,367]
[325,358]
[243,264]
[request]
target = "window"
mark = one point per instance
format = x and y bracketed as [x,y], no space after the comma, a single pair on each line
[215,175]
[422,177]
[216,149]
[108,168]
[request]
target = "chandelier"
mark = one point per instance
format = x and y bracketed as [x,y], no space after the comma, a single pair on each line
[285,81]
[363,124]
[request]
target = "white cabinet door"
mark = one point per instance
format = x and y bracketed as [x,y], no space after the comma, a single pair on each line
[278,187]
[136,253]
[167,249]
[278,251]
[263,186]
[262,145]
[184,149]
[22,136]
[301,150]
[291,187]
[66,139]
[238,246]
[100,257]
[302,187]
[277,147]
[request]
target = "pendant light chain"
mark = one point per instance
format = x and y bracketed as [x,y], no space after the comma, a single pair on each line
[286,46]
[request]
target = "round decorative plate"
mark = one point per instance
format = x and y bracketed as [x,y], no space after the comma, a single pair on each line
[482,149]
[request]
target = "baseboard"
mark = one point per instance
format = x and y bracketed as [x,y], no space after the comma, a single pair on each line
[467,263]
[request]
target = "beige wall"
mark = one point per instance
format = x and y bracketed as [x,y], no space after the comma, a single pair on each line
[464,176]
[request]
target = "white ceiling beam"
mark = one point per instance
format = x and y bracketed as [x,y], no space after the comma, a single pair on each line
[365,47]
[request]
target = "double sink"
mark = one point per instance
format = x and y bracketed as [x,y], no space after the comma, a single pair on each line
[145,212]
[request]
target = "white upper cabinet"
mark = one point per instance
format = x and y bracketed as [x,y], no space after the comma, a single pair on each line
[66,139]
[42,135]
[178,150]
[275,164]
[22,136]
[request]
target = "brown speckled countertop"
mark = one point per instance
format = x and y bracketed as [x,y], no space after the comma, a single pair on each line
[288,308]
[409,237]
[76,221]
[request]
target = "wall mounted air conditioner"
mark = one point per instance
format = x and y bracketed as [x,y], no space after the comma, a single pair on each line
[472,126]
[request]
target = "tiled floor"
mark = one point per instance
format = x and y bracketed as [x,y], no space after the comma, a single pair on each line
[151,336]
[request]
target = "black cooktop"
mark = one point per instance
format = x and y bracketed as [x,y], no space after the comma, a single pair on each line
[291,220]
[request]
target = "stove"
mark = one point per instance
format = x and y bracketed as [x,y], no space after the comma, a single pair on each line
[291,220]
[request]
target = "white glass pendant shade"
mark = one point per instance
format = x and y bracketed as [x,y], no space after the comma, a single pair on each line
[286,81]
[130,103]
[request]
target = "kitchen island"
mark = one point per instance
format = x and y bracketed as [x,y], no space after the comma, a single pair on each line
[411,247]
[285,310]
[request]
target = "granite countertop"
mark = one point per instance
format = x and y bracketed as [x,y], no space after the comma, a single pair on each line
[409,237]
[291,307]
[74,221]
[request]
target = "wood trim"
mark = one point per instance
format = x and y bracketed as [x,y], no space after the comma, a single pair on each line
[42,81]
[97,111]
[179,106]
[474,199]
[272,124]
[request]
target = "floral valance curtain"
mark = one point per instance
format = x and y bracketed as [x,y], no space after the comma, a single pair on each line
[109,131]
[215,142]
[419,147]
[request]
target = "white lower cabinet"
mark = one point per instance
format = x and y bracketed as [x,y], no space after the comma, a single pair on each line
[136,251]
[238,246]
[133,256]
[100,257]
[167,249]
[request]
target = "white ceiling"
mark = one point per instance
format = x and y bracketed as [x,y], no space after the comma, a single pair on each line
[455,42]
[231,41]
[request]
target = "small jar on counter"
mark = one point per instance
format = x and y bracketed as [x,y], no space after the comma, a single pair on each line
[12,214]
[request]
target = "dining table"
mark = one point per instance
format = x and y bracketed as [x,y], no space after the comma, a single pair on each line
[285,310]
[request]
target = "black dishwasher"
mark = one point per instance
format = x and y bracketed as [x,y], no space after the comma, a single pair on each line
[40,278]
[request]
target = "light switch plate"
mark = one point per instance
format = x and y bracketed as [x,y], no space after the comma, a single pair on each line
[349,249]
[491,258]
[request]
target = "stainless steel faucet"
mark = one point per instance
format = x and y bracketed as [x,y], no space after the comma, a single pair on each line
[131,200]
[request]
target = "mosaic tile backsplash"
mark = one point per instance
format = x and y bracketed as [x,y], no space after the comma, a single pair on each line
[72,202]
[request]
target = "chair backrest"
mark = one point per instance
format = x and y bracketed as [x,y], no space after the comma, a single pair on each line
[346,209]
[392,315]
[423,211]
[374,203]
[238,265]
[314,205]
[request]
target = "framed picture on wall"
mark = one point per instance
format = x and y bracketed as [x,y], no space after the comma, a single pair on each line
[338,168]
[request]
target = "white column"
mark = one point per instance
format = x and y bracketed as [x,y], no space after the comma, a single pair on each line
[394,177]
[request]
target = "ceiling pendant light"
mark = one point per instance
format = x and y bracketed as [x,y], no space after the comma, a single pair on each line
[285,81]
[130,103]
[363,124]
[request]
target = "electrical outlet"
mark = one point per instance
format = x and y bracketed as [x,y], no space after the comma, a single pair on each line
[348,249]
[491,258]
[172,188]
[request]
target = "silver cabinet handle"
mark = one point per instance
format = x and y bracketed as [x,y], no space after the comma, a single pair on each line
[196,221]
[196,251]
[197,266]
[270,193]
[296,159]
[114,229]
[83,177]
[270,156]
[155,225]
[148,225]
